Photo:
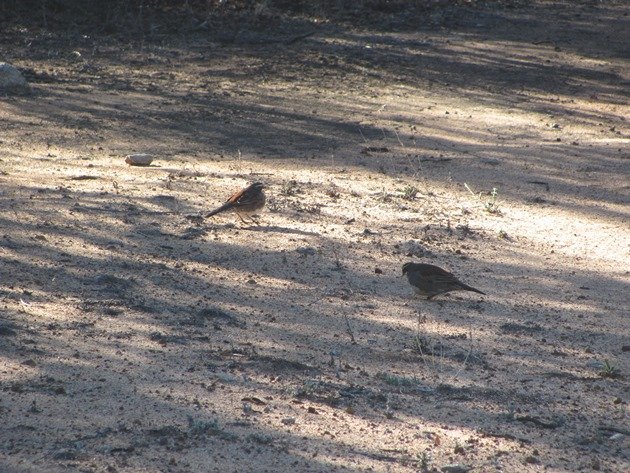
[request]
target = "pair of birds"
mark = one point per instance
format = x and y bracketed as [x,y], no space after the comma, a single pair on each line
[428,280]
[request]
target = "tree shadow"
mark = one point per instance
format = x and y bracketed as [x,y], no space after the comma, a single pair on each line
[147,330]
[109,308]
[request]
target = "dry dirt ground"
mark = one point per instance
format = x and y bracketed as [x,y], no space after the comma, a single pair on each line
[134,340]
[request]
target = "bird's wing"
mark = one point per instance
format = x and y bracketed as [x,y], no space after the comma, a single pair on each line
[438,272]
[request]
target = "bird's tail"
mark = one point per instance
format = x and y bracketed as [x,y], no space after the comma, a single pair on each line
[223,208]
[466,287]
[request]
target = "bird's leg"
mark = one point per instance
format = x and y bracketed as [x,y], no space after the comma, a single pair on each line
[239,216]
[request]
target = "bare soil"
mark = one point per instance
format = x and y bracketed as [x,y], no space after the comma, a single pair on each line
[134,340]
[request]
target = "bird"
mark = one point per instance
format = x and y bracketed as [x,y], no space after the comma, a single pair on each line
[245,202]
[429,280]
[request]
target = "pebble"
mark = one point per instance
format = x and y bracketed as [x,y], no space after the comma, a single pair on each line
[455,468]
[139,159]
[10,78]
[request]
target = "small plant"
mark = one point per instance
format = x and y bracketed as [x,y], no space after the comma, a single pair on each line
[423,345]
[511,410]
[308,388]
[290,188]
[332,191]
[609,370]
[459,448]
[201,428]
[491,205]
[34,409]
[410,192]
[398,381]
[503,235]
[262,439]
[425,461]
[384,196]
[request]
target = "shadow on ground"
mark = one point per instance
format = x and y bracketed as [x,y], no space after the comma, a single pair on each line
[225,347]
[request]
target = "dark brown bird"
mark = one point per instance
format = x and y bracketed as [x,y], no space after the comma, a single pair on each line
[245,202]
[430,281]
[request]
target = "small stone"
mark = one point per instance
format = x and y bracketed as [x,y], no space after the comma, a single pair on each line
[455,468]
[139,159]
[378,270]
[413,249]
[11,79]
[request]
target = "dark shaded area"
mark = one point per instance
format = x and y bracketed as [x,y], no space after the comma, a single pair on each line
[152,18]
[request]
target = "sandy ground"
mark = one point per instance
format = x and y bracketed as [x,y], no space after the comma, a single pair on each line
[133,340]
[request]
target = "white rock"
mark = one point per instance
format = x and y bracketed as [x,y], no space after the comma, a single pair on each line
[11,78]
[139,159]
